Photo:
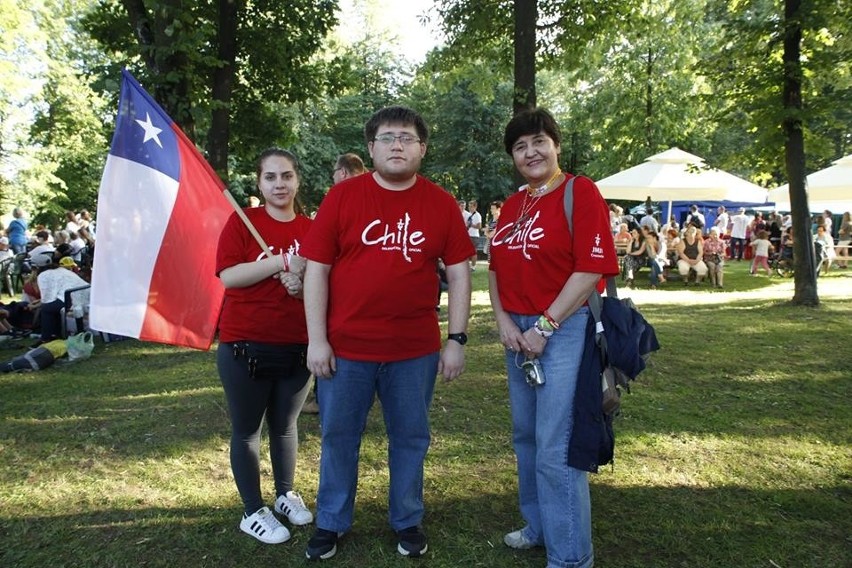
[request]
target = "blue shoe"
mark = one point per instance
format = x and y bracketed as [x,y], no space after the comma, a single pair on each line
[323,545]
[412,542]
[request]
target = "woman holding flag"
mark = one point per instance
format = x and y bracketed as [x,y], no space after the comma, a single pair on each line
[262,342]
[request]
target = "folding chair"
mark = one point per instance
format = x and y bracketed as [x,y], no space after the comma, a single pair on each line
[79,310]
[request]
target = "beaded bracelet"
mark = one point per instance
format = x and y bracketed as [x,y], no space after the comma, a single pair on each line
[542,332]
[553,323]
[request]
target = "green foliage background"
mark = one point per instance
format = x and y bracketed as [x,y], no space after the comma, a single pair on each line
[626,78]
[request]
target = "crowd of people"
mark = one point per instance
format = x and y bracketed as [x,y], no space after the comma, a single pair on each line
[47,264]
[696,253]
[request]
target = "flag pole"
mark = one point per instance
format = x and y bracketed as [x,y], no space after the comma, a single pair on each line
[242,214]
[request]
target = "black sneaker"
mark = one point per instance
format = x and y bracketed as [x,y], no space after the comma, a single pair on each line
[412,542]
[322,546]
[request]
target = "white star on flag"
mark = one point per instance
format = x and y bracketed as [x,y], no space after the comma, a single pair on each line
[151,131]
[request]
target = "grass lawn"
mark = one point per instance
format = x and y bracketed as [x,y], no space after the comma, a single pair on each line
[732,451]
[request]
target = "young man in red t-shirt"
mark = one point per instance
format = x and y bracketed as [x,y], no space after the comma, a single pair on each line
[372,327]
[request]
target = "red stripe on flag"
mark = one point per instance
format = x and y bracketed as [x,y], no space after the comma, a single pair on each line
[185,296]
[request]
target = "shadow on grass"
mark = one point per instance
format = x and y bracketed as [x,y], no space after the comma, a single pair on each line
[754,370]
[664,527]
[130,396]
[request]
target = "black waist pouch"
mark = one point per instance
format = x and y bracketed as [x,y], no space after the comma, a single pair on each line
[267,361]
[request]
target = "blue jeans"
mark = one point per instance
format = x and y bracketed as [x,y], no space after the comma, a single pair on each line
[554,498]
[654,277]
[737,248]
[405,390]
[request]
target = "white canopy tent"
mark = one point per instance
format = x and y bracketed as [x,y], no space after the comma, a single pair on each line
[675,175]
[830,189]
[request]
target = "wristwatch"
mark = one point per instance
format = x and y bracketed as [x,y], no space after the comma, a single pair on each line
[460,337]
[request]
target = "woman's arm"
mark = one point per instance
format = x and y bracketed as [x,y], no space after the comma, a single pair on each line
[573,295]
[321,360]
[250,273]
[510,336]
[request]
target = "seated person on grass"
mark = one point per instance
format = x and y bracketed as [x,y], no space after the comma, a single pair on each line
[690,251]
[622,239]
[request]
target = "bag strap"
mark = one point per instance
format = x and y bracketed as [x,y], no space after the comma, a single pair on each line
[595,300]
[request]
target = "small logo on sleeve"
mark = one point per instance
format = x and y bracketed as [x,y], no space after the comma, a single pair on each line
[597,250]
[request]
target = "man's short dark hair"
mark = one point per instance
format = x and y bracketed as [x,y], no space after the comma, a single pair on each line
[396,115]
[531,121]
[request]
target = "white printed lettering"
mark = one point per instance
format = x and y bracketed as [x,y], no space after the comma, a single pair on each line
[389,239]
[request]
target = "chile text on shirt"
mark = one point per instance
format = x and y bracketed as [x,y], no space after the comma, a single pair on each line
[292,250]
[390,240]
[522,237]
[527,234]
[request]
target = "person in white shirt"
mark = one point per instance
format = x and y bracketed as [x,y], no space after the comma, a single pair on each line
[53,281]
[42,253]
[739,226]
[71,223]
[473,222]
[4,248]
[827,222]
[77,246]
[722,220]
[696,219]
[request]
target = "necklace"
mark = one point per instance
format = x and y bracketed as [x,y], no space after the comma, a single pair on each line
[543,188]
[528,204]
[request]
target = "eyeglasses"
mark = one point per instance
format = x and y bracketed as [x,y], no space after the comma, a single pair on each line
[388,139]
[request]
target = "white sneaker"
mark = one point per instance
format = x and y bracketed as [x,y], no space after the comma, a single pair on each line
[263,526]
[518,540]
[293,507]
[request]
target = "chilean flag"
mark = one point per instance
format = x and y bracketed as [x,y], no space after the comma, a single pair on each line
[160,213]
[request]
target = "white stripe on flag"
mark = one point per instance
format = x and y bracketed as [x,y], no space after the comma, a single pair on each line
[135,203]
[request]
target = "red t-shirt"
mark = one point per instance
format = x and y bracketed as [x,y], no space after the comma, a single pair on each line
[264,311]
[533,265]
[383,247]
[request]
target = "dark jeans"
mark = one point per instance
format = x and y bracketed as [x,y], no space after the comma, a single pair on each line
[51,320]
[738,248]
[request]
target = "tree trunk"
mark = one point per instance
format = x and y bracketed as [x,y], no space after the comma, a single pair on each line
[223,86]
[164,60]
[526,15]
[803,247]
[649,101]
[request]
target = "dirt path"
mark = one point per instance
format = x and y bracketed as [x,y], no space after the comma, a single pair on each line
[781,289]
